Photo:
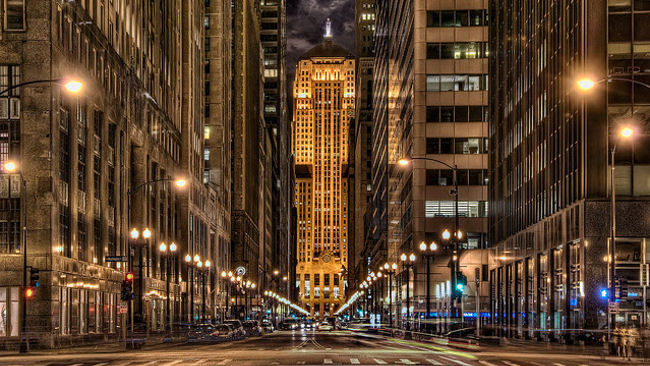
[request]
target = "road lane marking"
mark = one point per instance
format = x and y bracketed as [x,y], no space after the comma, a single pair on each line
[327,361]
[454,360]
[172,362]
[354,361]
[434,362]
[558,364]
[224,361]
[198,362]
[509,363]
[406,361]
[486,363]
[380,361]
[300,363]
[149,363]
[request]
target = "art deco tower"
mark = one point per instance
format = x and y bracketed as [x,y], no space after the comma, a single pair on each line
[324,102]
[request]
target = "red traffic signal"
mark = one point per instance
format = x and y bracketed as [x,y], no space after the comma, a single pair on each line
[29,293]
[129,276]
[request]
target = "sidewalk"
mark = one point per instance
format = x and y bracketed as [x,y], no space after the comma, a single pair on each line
[104,347]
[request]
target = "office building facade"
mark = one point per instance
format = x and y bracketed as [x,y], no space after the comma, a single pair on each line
[550,186]
[324,102]
[430,102]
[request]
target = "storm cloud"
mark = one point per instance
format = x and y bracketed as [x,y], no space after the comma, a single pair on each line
[306,26]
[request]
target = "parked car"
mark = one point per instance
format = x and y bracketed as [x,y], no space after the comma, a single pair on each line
[252,328]
[200,333]
[267,326]
[222,332]
[238,328]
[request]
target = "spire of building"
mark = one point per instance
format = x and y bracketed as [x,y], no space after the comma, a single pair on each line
[328,28]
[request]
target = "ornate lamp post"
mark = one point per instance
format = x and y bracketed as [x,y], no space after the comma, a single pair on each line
[408,262]
[390,270]
[428,252]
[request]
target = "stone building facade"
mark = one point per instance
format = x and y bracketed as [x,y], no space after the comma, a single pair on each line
[89,158]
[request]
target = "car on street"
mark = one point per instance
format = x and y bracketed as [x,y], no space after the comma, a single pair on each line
[200,333]
[325,326]
[222,333]
[289,324]
[267,326]
[252,328]
[308,324]
[238,328]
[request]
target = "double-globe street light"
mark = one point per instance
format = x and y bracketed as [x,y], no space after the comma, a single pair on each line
[196,266]
[390,271]
[626,132]
[170,257]
[428,251]
[408,262]
[72,86]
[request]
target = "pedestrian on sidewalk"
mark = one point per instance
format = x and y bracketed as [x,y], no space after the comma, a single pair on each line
[616,340]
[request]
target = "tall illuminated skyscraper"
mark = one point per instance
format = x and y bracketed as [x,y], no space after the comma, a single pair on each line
[324,102]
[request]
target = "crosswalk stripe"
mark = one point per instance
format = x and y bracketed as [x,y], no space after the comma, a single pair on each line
[327,361]
[380,361]
[486,363]
[172,363]
[223,362]
[300,363]
[558,364]
[199,362]
[406,361]
[149,363]
[509,363]
[434,362]
[454,360]
[355,361]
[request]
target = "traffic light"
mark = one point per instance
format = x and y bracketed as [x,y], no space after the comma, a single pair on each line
[29,292]
[621,287]
[127,287]
[624,287]
[461,282]
[34,277]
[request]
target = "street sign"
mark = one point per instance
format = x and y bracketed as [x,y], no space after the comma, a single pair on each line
[613,307]
[115,258]
[124,309]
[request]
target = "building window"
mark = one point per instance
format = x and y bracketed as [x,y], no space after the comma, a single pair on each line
[457,18]
[82,240]
[456,113]
[438,83]
[462,50]
[9,311]
[9,101]
[14,15]
[447,209]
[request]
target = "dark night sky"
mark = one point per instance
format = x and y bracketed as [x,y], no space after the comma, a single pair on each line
[306,26]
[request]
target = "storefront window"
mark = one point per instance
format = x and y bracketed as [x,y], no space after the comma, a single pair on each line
[9,311]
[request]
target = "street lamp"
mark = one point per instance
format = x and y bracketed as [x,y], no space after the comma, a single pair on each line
[72,86]
[428,252]
[167,254]
[390,270]
[407,264]
[625,133]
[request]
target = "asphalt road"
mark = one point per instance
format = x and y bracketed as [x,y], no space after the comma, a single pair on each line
[313,348]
